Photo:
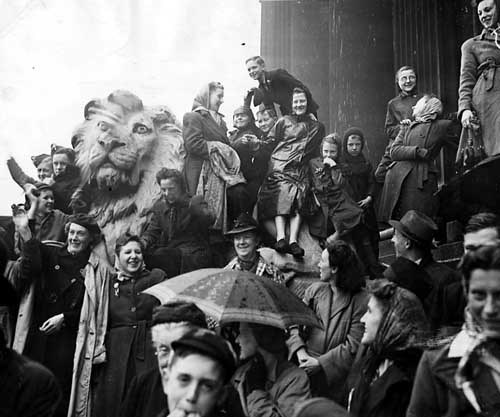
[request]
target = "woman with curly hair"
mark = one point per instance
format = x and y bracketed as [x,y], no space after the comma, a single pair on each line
[381,379]
[339,301]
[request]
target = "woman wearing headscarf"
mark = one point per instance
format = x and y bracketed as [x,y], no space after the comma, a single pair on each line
[381,378]
[412,181]
[129,349]
[205,139]
[479,90]
[283,194]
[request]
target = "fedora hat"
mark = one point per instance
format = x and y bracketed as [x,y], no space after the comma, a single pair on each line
[244,223]
[416,226]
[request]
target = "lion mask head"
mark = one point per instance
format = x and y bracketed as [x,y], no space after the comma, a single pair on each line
[119,148]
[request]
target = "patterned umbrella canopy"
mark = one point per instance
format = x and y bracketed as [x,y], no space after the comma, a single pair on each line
[237,296]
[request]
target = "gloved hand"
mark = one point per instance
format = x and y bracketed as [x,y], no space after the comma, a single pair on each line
[255,377]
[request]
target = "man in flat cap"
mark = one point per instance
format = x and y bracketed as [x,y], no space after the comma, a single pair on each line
[198,374]
[47,331]
[246,238]
[171,321]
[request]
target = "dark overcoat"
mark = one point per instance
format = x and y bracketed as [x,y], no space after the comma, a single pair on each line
[411,181]
[199,127]
[335,204]
[59,288]
[128,339]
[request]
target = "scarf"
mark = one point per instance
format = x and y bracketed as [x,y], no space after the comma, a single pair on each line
[353,165]
[400,338]
[122,275]
[202,102]
[492,35]
[432,109]
[481,350]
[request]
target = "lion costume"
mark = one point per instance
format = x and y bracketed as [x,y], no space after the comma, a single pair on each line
[120,147]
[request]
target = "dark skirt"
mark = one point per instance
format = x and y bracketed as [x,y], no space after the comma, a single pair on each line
[282,194]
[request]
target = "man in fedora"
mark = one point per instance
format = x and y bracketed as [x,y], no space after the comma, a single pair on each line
[246,238]
[412,240]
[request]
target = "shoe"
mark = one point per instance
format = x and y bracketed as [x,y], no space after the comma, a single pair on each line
[296,250]
[281,246]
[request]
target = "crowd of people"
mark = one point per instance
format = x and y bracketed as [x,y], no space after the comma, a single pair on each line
[80,337]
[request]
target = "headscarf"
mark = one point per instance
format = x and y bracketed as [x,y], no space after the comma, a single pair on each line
[479,351]
[400,336]
[202,99]
[356,165]
[432,109]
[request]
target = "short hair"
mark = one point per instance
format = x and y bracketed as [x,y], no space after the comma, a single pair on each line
[349,275]
[184,351]
[332,139]
[484,220]
[126,238]
[270,112]
[214,85]
[256,58]
[171,174]
[486,257]
[405,68]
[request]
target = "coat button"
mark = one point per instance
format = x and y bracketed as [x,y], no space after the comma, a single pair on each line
[132,309]
[57,267]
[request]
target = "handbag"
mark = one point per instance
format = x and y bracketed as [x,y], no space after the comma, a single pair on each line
[470,149]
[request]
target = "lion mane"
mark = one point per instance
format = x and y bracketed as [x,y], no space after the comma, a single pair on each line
[120,146]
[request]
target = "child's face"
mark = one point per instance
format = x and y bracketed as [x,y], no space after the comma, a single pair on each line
[60,162]
[241,120]
[265,122]
[44,170]
[354,145]
[330,151]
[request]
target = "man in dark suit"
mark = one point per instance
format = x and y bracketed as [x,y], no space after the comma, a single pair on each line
[275,86]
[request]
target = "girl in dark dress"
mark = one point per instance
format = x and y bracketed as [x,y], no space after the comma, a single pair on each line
[128,339]
[282,195]
[381,378]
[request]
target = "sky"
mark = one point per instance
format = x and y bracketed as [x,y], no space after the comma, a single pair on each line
[56,55]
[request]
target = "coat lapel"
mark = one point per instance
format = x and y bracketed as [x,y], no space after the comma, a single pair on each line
[379,388]
[221,130]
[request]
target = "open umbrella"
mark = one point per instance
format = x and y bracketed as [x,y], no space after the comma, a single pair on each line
[237,296]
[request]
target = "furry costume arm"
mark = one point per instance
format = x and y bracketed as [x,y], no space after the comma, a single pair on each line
[17,173]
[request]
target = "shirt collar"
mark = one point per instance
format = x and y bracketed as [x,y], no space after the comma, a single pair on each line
[459,345]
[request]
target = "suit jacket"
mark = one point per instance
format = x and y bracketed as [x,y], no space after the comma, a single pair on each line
[278,88]
[336,345]
[199,127]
